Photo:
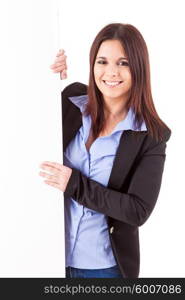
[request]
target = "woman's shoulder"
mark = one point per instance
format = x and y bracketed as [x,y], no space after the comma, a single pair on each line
[151,142]
[74,98]
[74,89]
[166,133]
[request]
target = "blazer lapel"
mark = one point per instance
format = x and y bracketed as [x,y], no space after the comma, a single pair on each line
[127,151]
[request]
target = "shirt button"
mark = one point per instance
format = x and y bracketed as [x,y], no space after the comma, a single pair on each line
[111,229]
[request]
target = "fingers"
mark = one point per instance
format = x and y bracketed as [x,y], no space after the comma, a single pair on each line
[60,65]
[52,178]
[59,174]
[55,168]
[51,166]
[55,178]
[58,69]
[51,163]
[61,52]
[61,58]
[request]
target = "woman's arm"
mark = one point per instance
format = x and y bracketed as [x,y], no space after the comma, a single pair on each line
[133,207]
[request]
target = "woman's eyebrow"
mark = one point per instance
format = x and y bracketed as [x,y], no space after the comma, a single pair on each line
[118,58]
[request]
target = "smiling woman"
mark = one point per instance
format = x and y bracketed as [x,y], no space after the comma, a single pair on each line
[112,74]
[114,152]
[113,78]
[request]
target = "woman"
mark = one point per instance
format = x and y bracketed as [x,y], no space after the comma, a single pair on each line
[114,153]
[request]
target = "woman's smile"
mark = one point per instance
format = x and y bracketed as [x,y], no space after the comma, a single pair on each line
[112,84]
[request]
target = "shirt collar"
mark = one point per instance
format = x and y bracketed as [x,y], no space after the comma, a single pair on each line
[79,101]
[126,124]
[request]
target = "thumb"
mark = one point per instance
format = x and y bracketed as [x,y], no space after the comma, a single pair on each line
[63,74]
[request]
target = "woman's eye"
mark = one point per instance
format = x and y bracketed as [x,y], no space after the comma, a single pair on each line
[124,63]
[101,62]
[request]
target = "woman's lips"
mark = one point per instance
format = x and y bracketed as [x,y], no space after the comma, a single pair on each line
[112,84]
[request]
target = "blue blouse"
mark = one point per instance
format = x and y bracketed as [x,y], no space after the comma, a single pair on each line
[86,231]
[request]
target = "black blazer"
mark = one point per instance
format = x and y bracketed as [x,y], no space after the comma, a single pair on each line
[133,186]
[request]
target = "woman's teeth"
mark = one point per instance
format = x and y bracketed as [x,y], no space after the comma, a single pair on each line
[112,83]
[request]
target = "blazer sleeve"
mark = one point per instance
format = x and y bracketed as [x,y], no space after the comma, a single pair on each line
[133,207]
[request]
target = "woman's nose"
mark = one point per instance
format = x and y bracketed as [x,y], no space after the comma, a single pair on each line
[112,70]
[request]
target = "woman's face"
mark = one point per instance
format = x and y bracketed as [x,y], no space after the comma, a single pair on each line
[112,72]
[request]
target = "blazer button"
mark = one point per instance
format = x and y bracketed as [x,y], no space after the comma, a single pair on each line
[111,229]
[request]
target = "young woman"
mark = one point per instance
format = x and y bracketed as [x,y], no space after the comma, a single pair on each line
[114,152]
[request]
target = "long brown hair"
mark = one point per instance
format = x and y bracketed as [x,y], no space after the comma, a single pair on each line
[140,98]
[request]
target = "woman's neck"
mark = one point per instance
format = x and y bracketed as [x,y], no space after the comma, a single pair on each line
[115,114]
[115,110]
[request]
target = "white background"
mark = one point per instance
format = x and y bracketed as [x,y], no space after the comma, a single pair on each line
[31,213]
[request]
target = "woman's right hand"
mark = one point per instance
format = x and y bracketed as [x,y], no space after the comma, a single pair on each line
[60,65]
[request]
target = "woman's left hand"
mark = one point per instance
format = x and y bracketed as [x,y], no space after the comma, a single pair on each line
[59,176]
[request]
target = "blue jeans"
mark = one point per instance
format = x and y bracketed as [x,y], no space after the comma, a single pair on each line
[112,272]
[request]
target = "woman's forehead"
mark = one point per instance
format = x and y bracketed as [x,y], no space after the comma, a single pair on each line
[111,49]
